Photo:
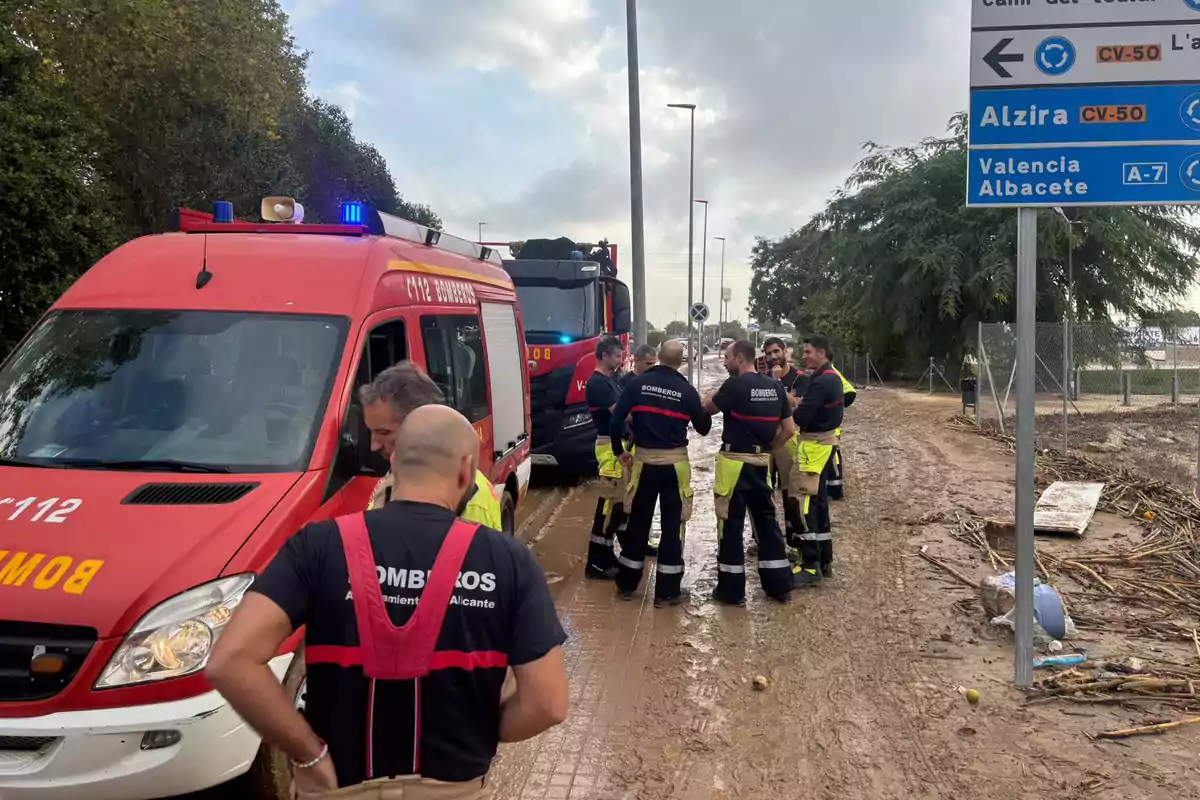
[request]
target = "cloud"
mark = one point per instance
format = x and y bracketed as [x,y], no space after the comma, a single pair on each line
[786,93]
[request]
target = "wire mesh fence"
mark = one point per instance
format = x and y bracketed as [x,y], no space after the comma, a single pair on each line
[1100,387]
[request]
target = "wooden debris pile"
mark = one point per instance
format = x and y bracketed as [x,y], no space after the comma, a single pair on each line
[1159,574]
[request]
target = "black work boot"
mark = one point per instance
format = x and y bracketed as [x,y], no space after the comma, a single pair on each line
[679,599]
[804,577]
[598,574]
[725,601]
[827,558]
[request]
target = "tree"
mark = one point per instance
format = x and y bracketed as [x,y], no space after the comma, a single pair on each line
[54,207]
[676,329]
[188,93]
[897,265]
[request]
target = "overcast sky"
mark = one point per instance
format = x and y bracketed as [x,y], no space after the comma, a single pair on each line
[515,112]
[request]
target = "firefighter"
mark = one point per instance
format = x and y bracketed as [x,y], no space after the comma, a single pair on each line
[794,382]
[758,418]
[644,358]
[817,416]
[662,403]
[836,480]
[603,392]
[387,401]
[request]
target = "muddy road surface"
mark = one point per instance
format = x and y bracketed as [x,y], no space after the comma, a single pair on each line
[863,672]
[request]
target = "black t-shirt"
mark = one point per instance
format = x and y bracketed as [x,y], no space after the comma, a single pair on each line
[823,404]
[603,392]
[445,726]
[661,403]
[794,381]
[753,405]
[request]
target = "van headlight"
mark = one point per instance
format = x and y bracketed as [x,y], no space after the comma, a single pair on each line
[176,636]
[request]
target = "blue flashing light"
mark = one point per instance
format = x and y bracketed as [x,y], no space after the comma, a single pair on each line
[353,213]
[222,211]
[564,339]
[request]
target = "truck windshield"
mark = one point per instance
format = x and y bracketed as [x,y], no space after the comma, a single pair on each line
[552,311]
[179,391]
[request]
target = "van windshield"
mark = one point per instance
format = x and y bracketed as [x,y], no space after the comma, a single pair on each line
[184,391]
[552,311]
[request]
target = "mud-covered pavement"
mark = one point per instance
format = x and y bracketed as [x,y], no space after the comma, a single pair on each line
[862,703]
[863,671]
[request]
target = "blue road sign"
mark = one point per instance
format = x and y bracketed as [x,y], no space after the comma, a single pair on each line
[1055,55]
[751,327]
[1075,176]
[1193,4]
[699,312]
[1076,114]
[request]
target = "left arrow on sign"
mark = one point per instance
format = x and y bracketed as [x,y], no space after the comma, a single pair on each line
[996,58]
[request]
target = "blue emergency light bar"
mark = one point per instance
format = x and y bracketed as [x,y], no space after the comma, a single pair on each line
[353,213]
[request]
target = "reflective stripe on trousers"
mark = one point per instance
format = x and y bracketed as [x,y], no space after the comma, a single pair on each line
[739,488]
[668,486]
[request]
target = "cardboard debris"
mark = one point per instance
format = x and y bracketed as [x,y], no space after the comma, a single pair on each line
[1066,507]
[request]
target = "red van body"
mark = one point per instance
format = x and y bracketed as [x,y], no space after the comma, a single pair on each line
[186,406]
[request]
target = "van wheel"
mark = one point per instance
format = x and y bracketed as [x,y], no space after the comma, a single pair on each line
[508,513]
[270,776]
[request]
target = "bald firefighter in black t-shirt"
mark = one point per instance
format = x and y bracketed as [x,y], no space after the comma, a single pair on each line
[757,419]
[412,711]
[662,403]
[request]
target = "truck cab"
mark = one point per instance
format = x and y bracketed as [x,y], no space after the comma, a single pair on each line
[567,304]
[182,410]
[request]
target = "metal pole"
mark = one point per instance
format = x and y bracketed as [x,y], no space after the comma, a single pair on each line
[691,107]
[1026,330]
[481,230]
[640,330]
[931,374]
[723,308]
[703,274]
[1175,370]
[1066,381]
[1068,345]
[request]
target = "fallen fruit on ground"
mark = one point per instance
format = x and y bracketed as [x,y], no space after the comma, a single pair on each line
[760,683]
[973,696]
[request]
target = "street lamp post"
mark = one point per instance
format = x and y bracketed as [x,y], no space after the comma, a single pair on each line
[637,229]
[722,306]
[691,107]
[481,230]
[703,279]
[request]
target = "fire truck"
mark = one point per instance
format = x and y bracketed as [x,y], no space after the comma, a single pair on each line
[569,296]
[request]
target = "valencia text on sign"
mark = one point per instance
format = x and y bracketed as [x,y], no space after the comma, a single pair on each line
[1116,175]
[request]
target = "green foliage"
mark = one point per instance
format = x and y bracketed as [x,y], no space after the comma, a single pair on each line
[54,220]
[113,112]
[897,265]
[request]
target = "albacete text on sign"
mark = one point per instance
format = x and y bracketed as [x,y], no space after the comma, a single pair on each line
[1009,177]
[47,572]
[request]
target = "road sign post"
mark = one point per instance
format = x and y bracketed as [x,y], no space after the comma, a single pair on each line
[1075,104]
[699,314]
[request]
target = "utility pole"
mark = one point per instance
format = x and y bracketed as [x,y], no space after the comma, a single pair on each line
[481,230]
[703,279]
[722,307]
[691,107]
[640,330]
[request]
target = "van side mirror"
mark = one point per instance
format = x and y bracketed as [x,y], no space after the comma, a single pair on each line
[354,455]
[622,309]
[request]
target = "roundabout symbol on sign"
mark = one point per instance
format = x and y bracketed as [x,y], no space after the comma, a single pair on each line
[1189,172]
[699,312]
[1190,110]
[1055,56]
